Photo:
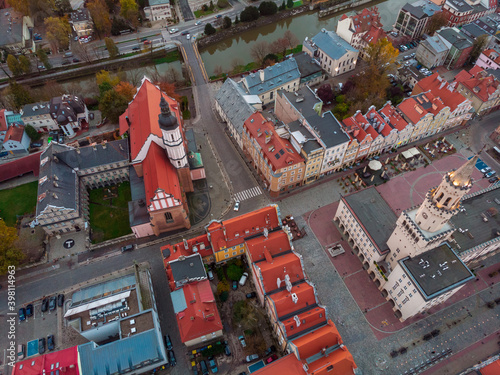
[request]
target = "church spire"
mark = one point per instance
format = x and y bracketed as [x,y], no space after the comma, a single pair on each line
[462,176]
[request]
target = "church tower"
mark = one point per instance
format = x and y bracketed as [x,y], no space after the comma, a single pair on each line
[442,203]
[172,136]
[426,227]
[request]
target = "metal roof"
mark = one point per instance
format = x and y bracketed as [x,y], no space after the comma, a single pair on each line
[100,290]
[421,8]
[35,109]
[274,77]
[178,300]
[331,44]
[11,24]
[97,303]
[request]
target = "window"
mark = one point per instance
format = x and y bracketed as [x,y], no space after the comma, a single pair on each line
[168,217]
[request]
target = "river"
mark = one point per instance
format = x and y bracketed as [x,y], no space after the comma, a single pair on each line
[307,24]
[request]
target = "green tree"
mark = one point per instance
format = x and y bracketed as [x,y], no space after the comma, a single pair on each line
[224,296]
[268,8]
[236,20]
[112,105]
[130,11]
[226,22]
[234,272]
[14,66]
[250,13]
[42,56]
[211,6]
[112,48]
[32,133]
[24,64]
[20,94]
[283,5]
[222,286]
[10,255]
[477,47]
[289,4]
[209,29]
[436,21]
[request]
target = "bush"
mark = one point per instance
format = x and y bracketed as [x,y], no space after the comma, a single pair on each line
[234,272]
[209,29]
[226,23]
[32,133]
[91,103]
[249,14]
[268,8]
[222,286]
[224,296]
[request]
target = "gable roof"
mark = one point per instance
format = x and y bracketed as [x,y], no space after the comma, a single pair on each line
[271,77]
[442,89]
[331,44]
[310,319]
[276,242]
[312,343]
[14,133]
[283,303]
[64,109]
[35,109]
[436,44]
[12,22]
[363,20]
[492,55]
[279,267]
[455,37]
[392,117]
[478,82]
[421,8]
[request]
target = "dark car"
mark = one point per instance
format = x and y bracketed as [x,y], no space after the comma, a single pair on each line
[29,310]
[50,342]
[493,179]
[168,342]
[22,314]
[60,300]
[41,345]
[171,358]
[52,303]
[76,60]
[185,32]
[251,295]
[213,365]
[127,248]
[144,39]
[235,285]
[137,48]
[37,143]
[218,16]
[45,304]
[269,350]
[227,349]
[66,62]
[204,368]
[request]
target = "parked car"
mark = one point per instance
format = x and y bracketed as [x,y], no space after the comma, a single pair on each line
[146,42]
[204,368]
[269,350]
[210,275]
[41,345]
[75,60]
[29,310]
[136,48]
[45,304]
[486,170]
[171,358]
[127,248]
[272,358]
[60,300]
[251,295]
[212,365]
[237,206]
[185,32]
[41,66]
[144,39]
[188,36]
[242,341]
[227,349]
[493,179]
[243,279]
[218,16]
[50,342]
[65,62]
[235,285]
[490,174]
[168,342]
[21,352]
[251,357]
[52,303]
[37,144]
[22,314]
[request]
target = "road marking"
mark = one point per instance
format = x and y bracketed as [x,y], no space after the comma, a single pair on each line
[29,275]
[247,194]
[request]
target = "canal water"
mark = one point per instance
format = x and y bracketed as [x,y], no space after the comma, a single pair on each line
[306,24]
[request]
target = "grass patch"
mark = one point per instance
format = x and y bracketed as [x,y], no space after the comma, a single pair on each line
[297,3]
[186,115]
[168,58]
[18,201]
[200,13]
[109,217]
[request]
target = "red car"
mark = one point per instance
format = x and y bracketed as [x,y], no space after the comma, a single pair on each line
[274,357]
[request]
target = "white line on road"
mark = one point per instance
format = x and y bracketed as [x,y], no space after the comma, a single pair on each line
[248,193]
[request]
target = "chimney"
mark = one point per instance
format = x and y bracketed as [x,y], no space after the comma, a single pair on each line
[261,75]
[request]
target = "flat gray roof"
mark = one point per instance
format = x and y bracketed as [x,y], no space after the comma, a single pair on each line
[437,271]
[472,219]
[188,268]
[374,214]
[101,290]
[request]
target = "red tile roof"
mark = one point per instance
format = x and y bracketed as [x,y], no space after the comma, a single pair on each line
[491,369]
[45,364]
[143,113]
[440,88]
[339,362]
[355,124]
[160,174]
[492,55]
[394,118]
[277,151]
[283,303]
[308,319]
[368,17]
[3,121]
[14,133]
[231,232]
[13,169]
[374,34]
[412,110]
[313,342]
[279,266]
[199,244]
[201,316]
[275,243]
[288,365]
[478,82]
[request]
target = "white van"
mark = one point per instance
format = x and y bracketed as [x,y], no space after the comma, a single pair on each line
[243,279]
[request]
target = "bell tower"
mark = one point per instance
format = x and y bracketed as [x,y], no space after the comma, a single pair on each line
[172,136]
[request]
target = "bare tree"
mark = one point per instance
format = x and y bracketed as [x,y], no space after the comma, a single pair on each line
[259,50]
[83,51]
[291,39]
[173,75]
[236,62]
[217,70]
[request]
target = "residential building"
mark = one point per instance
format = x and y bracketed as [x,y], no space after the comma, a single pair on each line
[474,31]
[7,118]
[234,107]
[278,164]
[460,108]
[398,131]
[416,265]
[39,116]
[309,68]
[489,59]
[495,135]
[459,12]
[334,54]
[361,29]
[409,75]
[412,18]
[16,140]
[355,127]
[420,110]
[266,82]
[159,156]
[62,360]
[432,51]
[81,21]
[481,88]
[158,10]
[17,32]
[319,137]
[461,47]
[65,175]
[69,112]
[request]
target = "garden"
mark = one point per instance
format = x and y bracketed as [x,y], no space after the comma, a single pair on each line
[18,201]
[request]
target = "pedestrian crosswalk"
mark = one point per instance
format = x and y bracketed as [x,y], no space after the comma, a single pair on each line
[247,194]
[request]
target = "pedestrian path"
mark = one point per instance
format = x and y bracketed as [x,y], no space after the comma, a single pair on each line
[247,194]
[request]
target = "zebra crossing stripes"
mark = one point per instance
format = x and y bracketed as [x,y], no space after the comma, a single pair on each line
[247,194]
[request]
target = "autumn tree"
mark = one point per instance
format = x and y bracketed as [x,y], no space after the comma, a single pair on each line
[325,93]
[169,89]
[130,11]
[126,90]
[112,47]
[112,105]
[14,66]
[42,56]
[259,50]
[436,21]
[381,54]
[10,255]
[100,16]
[58,31]
[62,7]
[477,47]
[24,64]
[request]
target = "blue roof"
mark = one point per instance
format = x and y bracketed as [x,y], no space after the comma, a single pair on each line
[178,300]
[331,44]
[274,77]
[121,355]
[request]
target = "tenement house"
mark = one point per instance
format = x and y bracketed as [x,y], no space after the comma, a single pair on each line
[413,18]
[158,10]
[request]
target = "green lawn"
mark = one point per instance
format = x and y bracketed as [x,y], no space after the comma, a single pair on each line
[18,201]
[297,3]
[200,13]
[109,218]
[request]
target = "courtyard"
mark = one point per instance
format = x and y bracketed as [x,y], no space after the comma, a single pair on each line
[18,201]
